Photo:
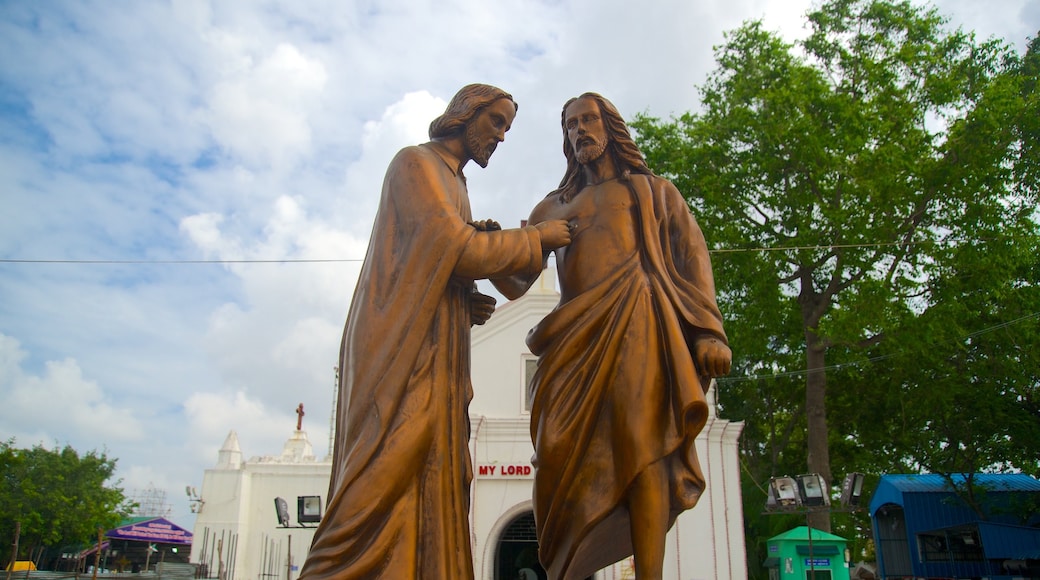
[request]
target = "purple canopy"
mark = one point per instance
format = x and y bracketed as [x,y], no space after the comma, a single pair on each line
[158,530]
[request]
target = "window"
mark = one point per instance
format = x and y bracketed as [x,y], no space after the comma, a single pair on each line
[958,544]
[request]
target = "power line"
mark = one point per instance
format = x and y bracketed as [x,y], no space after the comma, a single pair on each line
[334,260]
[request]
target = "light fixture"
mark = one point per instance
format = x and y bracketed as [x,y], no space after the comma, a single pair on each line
[783,492]
[194,501]
[852,489]
[813,490]
[308,509]
[282,510]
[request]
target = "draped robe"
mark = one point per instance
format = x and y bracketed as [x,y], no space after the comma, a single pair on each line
[616,389]
[398,503]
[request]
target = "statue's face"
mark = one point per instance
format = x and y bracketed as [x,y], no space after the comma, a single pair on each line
[485,131]
[585,130]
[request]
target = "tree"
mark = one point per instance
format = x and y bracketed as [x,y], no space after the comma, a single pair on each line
[967,359]
[60,497]
[854,185]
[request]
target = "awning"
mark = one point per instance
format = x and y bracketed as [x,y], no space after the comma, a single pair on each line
[158,530]
[1008,542]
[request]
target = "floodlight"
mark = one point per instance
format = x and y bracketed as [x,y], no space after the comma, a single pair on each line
[308,508]
[282,510]
[783,492]
[813,490]
[852,489]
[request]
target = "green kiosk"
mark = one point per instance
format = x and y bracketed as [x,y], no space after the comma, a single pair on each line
[795,555]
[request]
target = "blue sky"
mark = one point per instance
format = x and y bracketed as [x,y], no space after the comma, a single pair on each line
[144,133]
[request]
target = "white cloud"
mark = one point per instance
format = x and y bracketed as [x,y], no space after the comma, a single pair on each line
[59,404]
[204,230]
[262,113]
[210,416]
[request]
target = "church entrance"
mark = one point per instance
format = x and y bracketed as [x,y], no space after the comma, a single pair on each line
[517,555]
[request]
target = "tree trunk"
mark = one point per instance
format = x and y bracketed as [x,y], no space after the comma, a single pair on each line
[819,457]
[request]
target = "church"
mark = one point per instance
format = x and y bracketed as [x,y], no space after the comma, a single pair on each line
[242,532]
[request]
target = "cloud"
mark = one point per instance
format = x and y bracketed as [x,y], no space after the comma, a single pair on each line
[59,404]
[210,416]
[261,112]
[284,326]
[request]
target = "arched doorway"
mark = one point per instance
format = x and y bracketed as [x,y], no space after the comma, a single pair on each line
[516,557]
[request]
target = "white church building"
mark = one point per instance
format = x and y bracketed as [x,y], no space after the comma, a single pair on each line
[238,536]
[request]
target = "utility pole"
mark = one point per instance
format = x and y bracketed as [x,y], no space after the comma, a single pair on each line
[332,417]
[288,564]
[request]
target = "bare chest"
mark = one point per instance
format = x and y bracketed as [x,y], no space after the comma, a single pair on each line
[604,235]
[606,205]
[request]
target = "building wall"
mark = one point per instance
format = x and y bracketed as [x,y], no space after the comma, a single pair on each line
[238,511]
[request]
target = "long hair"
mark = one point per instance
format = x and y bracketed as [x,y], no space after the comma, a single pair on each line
[465,105]
[620,146]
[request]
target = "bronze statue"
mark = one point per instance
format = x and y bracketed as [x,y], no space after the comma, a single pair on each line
[625,358]
[398,503]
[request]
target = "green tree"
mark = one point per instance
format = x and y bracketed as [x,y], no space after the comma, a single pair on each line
[959,375]
[59,497]
[871,193]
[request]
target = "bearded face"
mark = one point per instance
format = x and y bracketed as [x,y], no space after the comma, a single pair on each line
[480,149]
[487,129]
[589,149]
[585,130]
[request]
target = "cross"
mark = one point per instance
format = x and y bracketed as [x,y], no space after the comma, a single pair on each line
[299,417]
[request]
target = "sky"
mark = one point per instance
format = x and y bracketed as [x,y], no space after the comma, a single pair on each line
[187,187]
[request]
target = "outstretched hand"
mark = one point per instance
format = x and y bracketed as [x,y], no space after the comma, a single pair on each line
[712,357]
[481,307]
[486,225]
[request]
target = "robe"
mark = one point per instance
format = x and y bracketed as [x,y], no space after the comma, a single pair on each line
[616,389]
[398,503]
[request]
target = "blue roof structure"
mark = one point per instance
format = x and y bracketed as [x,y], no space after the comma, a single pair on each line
[924,528]
[891,488]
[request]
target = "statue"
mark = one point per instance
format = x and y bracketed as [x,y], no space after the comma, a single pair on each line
[399,495]
[625,358]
